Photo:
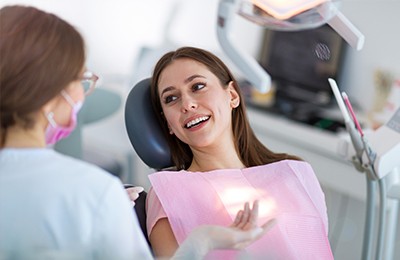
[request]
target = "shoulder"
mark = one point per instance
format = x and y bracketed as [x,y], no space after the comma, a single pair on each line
[76,168]
[72,173]
[297,163]
[282,165]
[154,211]
[76,163]
[45,161]
[291,168]
[166,174]
[151,197]
[301,169]
[293,162]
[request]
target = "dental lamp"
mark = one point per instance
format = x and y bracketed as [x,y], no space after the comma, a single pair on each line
[284,15]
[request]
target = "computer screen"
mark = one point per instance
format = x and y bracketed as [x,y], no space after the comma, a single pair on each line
[301,62]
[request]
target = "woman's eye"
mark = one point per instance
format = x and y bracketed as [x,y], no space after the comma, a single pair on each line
[198,86]
[169,99]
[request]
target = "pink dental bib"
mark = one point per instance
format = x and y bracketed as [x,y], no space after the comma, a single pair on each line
[287,190]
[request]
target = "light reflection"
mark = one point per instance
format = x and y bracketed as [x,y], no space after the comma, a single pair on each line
[234,199]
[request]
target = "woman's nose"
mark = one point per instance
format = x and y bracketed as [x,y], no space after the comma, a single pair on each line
[188,103]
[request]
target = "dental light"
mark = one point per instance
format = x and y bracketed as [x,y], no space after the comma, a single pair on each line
[286,15]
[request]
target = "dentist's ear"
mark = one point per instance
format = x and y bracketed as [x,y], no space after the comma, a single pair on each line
[50,105]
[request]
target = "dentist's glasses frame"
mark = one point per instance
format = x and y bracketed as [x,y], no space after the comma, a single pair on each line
[88,81]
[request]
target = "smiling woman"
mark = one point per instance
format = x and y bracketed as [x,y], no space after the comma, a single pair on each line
[222,164]
[196,106]
[171,75]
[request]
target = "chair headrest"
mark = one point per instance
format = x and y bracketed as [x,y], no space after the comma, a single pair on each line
[143,129]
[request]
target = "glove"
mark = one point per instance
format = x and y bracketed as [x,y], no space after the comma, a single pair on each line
[239,235]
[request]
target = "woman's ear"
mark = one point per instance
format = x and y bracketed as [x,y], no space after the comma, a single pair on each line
[234,95]
[170,130]
[169,127]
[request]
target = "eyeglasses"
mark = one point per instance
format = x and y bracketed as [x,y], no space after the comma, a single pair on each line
[89,80]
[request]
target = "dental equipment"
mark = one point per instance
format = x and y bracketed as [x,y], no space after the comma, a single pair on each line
[287,15]
[379,158]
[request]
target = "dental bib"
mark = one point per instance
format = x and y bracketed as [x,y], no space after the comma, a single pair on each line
[287,190]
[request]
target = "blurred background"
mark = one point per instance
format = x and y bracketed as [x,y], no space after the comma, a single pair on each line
[125,38]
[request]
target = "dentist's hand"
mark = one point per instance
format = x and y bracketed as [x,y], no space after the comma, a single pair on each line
[240,234]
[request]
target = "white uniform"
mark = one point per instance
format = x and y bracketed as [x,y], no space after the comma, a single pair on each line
[56,207]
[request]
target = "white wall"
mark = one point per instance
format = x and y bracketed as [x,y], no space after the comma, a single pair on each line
[114,30]
[379,21]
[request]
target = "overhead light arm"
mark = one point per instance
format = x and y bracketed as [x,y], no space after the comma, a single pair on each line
[347,30]
[257,76]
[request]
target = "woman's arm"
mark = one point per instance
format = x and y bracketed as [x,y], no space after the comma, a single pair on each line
[162,239]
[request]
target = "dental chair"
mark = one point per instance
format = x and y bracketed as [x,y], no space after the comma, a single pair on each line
[146,137]
[143,129]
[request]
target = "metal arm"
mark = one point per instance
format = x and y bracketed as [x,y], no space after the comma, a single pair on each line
[258,77]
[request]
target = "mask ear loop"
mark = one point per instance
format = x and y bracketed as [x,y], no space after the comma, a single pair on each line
[50,118]
[68,98]
[50,115]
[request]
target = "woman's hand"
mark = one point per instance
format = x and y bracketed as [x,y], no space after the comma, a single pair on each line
[247,218]
[243,231]
[133,192]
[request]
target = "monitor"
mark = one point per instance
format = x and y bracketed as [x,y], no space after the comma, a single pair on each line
[301,62]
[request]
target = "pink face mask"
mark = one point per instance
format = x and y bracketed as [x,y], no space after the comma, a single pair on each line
[54,132]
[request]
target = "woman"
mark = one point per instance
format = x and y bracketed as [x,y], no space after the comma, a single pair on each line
[202,113]
[53,206]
